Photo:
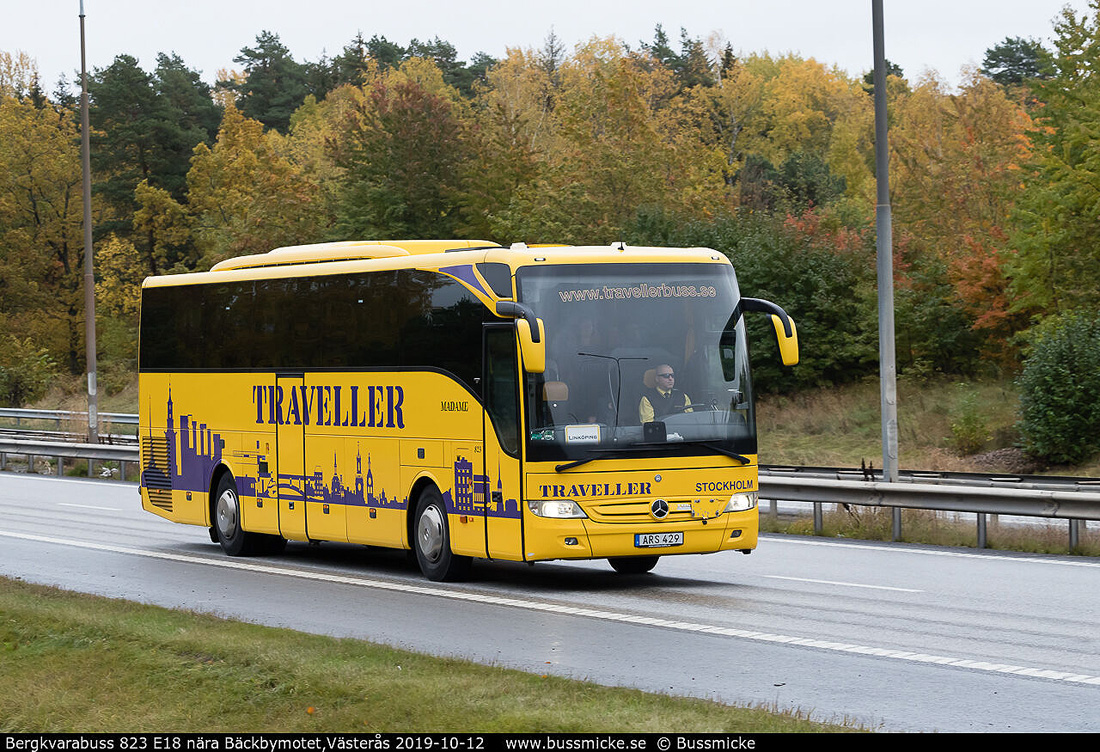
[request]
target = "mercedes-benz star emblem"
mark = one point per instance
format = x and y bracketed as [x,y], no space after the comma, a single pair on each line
[659,509]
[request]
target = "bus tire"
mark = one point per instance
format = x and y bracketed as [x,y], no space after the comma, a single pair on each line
[227,520]
[633,564]
[432,540]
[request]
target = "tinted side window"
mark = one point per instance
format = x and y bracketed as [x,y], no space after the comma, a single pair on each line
[403,318]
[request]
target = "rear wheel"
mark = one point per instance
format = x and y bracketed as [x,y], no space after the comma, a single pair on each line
[432,541]
[633,564]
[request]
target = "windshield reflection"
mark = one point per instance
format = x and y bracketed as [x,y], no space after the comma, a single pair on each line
[610,330]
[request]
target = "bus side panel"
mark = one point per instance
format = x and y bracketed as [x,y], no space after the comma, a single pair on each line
[376,513]
[504,508]
[190,424]
[465,488]
[366,446]
[290,456]
[253,468]
[329,486]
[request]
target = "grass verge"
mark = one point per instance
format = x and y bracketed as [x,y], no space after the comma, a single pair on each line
[79,663]
[942,425]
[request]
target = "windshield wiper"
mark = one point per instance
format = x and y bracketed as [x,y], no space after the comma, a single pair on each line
[717,449]
[594,454]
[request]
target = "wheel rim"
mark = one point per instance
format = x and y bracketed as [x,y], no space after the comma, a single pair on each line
[429,533]
[227,514]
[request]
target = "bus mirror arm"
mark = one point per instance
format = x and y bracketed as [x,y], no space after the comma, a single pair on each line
[530,330]
[786,333]
[519,310]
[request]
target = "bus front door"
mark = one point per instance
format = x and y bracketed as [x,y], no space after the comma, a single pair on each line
[290,447]
[500,384]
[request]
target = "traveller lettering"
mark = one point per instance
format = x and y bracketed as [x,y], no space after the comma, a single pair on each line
[324,406]
[591,490]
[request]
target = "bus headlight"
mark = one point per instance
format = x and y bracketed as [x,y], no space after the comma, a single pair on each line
[741,502]
[557,509]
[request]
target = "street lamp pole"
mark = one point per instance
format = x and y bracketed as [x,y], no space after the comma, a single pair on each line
[89,277]
[885,245]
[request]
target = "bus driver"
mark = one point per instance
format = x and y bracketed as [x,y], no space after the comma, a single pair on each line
[664,399]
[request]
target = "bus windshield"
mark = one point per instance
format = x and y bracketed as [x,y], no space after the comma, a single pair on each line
[641,359]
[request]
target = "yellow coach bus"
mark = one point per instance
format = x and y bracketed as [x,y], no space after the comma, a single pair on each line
[459,398]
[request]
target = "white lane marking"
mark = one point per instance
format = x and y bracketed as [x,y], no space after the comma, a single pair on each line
[612,616]
[88,506]
[842,584]
[800,541]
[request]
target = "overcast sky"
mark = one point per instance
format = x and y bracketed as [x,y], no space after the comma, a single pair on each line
[942,35]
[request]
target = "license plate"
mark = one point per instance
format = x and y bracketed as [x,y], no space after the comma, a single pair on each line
[658,540]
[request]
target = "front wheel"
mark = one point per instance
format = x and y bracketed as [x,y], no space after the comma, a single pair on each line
[432,541]
[633,564]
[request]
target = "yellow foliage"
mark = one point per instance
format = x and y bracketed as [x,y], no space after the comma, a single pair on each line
[18,72]
[118,266]
[245,195]
[41,228]
[803,103]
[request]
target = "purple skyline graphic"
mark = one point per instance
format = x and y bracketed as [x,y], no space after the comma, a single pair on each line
[194,451]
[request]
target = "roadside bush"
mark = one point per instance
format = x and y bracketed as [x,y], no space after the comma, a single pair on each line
[1060,390]
[969,427]
[25,371]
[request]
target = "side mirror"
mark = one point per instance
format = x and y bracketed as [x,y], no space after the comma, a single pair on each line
[788,343]
[785,332]
[532,335]
[532,347]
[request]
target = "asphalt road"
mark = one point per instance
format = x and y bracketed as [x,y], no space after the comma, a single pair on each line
[894,637]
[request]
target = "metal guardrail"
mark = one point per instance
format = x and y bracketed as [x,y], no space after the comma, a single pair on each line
[991,480]
[1022,502]
[109,451]
[1050,497]
[59,416]
[62,450]
[1071,499]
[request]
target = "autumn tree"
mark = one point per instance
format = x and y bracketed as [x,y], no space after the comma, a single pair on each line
[41,272]
[26,371]
[18,75]
[456,73]
[613,145]
[811,109]
[723,111]
[402,152]
[511,119]
[245,195]
[1058,264]
[955,171]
